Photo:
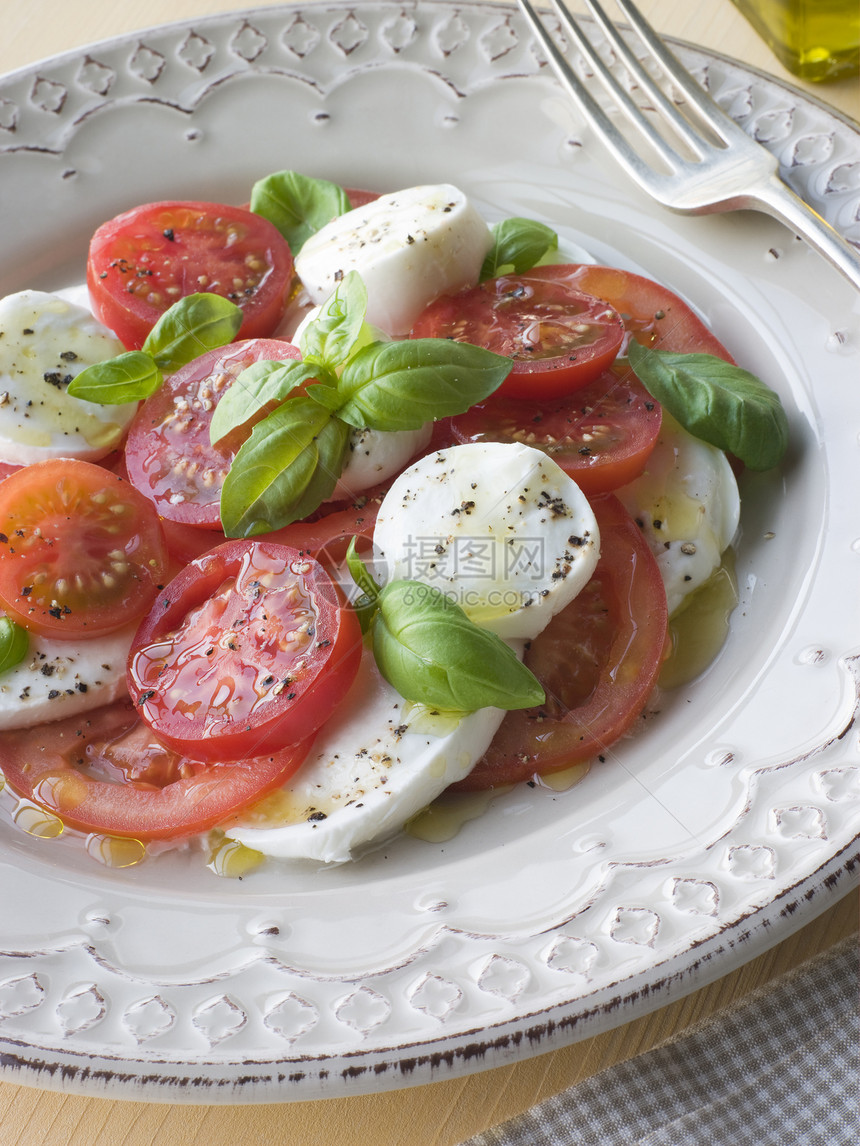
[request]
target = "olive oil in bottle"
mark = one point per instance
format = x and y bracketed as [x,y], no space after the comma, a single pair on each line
[814,39]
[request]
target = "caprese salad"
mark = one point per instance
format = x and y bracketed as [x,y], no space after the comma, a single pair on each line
[322,506]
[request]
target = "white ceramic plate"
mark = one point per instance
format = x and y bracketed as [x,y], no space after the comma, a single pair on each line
[729,820]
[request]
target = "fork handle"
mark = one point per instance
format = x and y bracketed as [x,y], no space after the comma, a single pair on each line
[777,199]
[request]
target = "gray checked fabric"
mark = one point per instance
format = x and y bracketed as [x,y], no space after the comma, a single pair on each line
[778,1069]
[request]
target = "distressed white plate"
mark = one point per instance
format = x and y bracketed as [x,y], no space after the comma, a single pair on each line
[729,820]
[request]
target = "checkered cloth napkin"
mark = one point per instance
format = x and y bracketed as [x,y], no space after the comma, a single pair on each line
[778,1069]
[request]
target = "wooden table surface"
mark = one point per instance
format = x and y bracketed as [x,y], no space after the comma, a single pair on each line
[444,1113]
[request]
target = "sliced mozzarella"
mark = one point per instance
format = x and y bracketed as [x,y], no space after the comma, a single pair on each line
[375,455]
[500,527]
[688,506]
[63,678]
[45,341]
[371,769]
[409,247]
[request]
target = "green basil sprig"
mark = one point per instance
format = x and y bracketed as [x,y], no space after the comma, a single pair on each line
[339,326]
[716,401]
[298,205]
[287,468]
[14,643]
[263,385]
[128,377]
[295,455]
[432,653]
[519,245]
[401,385]
[189,328]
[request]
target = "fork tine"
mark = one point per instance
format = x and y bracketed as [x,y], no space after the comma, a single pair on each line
[711,113]
[646,82]
[621,97]
[593,112]
[612,137]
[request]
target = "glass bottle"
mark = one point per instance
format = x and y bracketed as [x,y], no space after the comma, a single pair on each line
[814,39]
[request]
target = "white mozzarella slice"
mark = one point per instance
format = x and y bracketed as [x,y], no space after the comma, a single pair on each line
[375,455]
[499,527]
[45,341]
[64,678]
[409,247]
[688,506]
[375,764]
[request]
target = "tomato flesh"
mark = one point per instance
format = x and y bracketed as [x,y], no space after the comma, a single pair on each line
[327,538]
[168,454]
[598,661]
[558,336]
[602,436]
[652,314]
[106,772]
[81,551]
[146,259]
[248,650]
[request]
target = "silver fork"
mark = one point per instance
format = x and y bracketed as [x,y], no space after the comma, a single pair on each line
[727,172]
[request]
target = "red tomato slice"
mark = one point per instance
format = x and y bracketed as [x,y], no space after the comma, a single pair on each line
[359,197]
[146,259]
[326,537]
[248,650]
[81,551]
[168,454]
[598,661]
[106,772]
[559,337]
[652,313]
[602,435]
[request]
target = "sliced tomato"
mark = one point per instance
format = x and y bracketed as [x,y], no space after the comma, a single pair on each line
[327,534]
[602,435]
[168,455]
[598,661]
[654,315]
[359,197]
[81,551]
[146,259]
[184,544]
[107,772]
[248,650]
[559,337]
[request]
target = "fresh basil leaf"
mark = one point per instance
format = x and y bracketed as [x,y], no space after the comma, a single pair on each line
[716,401]
[260,385]
[519,245]
[285,470]
[298,205]
[365,606]
[402,385]
[332,335]
[193,325]
[129,377]
[327,395]
[360,573]
[14,643]
[427,648]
